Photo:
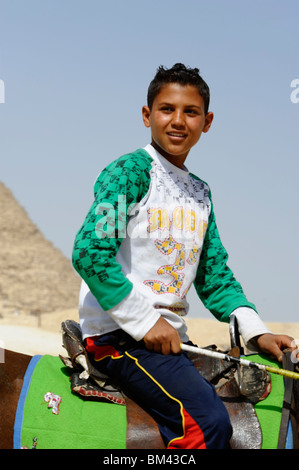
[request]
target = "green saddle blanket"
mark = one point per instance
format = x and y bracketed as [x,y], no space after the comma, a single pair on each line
[269,410]
[84,424]
[78,424]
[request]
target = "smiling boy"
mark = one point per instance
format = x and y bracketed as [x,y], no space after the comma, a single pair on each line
[135,281]
[177,119]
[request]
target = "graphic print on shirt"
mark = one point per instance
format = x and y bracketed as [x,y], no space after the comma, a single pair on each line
[167,247]
[175,222]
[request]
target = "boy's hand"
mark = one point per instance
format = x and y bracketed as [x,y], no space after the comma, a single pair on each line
[163,338]
[274,344]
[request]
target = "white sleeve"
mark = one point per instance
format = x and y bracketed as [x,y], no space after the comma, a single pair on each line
[250,325]
[134,315]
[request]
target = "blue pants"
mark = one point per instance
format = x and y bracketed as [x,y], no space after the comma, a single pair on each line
[186,407]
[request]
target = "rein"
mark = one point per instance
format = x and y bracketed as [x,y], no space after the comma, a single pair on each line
[226,357]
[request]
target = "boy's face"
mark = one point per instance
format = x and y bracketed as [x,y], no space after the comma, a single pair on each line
[177,120]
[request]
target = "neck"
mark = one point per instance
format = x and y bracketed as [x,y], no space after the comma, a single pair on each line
[177,160]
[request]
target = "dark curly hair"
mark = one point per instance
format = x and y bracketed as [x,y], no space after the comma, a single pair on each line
[181,74]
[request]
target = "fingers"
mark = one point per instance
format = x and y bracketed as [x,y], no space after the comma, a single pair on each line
[274,344]
[164,346]
[277,353]
[163,338]
[283,342]
[286,341]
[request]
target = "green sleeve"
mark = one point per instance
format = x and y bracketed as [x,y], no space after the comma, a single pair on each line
[215,283]
[122,184]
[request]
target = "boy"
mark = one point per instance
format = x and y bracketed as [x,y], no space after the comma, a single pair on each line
[150,233]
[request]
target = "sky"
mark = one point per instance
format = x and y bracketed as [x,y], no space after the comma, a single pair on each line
[74,78]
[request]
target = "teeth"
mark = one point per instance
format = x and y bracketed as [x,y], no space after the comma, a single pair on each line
[176,135]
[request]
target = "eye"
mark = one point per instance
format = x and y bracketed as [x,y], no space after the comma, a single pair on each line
[192,111]
[167,109]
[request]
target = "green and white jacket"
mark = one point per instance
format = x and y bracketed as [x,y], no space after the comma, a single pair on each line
[149,235]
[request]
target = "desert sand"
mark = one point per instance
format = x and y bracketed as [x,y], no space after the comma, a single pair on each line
[32,335]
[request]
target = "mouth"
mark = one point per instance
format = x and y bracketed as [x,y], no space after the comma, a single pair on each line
[177,135]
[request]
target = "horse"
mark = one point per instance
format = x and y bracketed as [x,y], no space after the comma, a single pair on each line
[142,431]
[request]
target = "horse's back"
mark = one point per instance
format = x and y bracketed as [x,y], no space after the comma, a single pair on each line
[12,371]
[142,431]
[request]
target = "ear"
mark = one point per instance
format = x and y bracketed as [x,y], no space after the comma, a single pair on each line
[208,121]
[146,116]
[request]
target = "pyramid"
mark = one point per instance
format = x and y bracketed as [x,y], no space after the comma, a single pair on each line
[35,277]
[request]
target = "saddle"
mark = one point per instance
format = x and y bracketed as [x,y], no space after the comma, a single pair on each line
[86,379]
[238,387]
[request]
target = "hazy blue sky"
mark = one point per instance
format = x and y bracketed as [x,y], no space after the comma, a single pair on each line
[76,75]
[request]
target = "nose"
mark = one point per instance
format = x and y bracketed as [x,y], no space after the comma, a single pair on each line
[178,119]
